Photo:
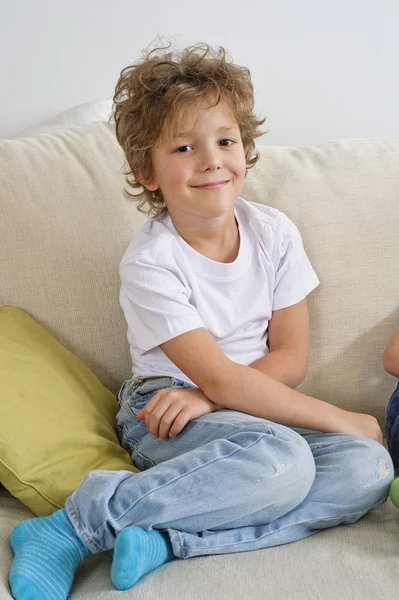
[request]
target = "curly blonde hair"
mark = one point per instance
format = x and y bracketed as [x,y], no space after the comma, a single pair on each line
[151,96]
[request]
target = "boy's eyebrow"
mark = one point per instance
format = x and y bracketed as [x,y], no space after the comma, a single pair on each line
[223,129]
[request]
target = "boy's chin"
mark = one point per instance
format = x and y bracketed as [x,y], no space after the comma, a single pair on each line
[217,209]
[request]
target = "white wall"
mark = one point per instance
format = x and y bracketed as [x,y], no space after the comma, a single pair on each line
[322,69]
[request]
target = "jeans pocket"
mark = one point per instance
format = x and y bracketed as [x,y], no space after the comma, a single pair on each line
[123,391]
[131,432]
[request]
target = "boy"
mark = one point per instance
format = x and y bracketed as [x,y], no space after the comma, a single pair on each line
[214,293]
[391,365]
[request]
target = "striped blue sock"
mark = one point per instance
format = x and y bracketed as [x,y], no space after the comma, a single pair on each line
[47,551]
[137,552]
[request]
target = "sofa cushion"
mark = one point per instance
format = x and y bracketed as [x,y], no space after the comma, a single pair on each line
[63,230]
[344,198]
[56,417]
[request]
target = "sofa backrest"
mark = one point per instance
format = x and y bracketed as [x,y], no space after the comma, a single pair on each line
[65,225]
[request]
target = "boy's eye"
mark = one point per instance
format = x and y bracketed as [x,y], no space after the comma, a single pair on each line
[226,142]
[183,149]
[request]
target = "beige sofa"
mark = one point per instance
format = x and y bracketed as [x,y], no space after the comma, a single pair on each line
[64,225]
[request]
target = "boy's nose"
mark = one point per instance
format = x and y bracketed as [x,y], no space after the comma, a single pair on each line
[210,160]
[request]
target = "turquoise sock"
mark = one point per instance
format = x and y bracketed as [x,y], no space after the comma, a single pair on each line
[47,551]
[137,552]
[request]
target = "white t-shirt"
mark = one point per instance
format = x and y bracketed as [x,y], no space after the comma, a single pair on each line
[168,288]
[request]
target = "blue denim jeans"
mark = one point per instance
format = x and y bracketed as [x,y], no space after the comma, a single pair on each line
[228,482]
[392,427]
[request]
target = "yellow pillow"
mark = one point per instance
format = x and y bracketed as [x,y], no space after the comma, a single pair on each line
[56,417]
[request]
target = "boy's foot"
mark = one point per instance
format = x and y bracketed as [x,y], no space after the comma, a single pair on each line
[47,551]
[137,552]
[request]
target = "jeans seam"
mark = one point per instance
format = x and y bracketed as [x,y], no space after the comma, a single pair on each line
[179,540]
[281,529]
[88,538]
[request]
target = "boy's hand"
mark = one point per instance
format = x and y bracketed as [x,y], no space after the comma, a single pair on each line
[169,410]
[360,424]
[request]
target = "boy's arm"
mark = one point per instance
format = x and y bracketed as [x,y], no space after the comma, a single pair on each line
[288,340]
[391,355]
[247,390]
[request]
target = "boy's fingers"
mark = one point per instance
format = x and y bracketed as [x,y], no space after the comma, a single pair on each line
[179,423]
[145,413]
[167,421]
[155,410]
[154,419]
[151,404]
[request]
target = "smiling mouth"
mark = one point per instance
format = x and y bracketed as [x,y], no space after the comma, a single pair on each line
[211,186]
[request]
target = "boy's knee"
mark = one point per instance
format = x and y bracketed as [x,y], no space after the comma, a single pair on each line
[368,471]
[281,456]
[297,470]
[303,470]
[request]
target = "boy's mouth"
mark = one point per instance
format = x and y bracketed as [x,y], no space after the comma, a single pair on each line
[214,185]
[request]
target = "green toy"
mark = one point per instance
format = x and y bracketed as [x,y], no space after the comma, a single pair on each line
[394,492]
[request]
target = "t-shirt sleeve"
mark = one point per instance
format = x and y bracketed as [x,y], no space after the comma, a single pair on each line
[155,302]
[295,277]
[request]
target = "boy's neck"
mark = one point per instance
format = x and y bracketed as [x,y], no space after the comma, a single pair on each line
[220,244]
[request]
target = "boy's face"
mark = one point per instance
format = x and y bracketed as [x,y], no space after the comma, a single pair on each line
[201,171]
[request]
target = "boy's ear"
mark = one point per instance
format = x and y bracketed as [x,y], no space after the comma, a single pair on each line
[150,185]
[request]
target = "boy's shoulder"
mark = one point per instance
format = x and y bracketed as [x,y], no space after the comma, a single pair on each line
[154,239]
[261,216]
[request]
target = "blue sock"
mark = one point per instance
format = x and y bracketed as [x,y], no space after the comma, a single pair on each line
[47,551]
[137,552]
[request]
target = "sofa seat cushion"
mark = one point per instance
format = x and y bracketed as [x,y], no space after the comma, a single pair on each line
[356,562]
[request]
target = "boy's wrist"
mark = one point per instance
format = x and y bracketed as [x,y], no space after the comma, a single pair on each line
[336,417]
[215,406]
